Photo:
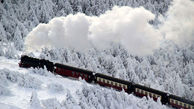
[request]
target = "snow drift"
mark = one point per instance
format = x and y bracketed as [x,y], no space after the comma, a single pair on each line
[124,25]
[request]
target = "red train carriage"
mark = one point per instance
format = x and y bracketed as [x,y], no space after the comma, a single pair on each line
[180,103]
[69,71]
[155,94]
[115,83]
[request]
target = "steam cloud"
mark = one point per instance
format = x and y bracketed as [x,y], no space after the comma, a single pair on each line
[179,24]
[123,25]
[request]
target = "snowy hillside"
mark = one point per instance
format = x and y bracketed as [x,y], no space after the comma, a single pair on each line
[39,89]
[152,46]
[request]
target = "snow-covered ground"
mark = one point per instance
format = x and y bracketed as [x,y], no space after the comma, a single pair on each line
[156,52]
[39,89]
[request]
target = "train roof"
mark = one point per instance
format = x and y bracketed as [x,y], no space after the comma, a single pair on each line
[181,99]
[112,78]
[73,68]
[149,89]
[27,58]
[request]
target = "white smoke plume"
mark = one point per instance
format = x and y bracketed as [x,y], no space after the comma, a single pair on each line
[124,25]
[179,23]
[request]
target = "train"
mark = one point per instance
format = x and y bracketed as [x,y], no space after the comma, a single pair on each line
[107,81]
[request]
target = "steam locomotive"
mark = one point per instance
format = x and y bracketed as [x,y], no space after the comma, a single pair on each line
[107,81]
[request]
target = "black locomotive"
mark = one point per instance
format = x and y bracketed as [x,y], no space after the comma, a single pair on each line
[107,81]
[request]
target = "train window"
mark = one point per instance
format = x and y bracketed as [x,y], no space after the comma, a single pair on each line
[140,91]
[147,93]
[144,92]
[125,86]
[176,102]
[157,96]
[185,105]
[113,83]
[73,73]
[171,101]
[180,103]
[85,76]
[81,74]
[154,95]
[97,78]
[110,82]
[77,73]
[105,81]
[150,94]
[102,80]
